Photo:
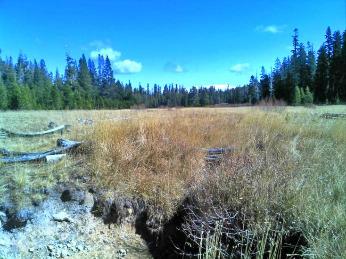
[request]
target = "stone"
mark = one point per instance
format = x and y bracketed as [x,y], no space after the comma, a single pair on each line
[3,217]
[88,200]
[18,219]
[64,253]
[79,248]
[52,125]
[50,248]
[66,196]
[62,217]
[121,253]
[73,194]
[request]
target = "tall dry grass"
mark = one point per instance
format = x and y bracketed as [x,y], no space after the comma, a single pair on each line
[287,174]
[158,158]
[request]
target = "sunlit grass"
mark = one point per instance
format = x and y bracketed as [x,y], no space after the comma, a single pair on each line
[288,162]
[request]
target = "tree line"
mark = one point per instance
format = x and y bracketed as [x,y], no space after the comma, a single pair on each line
[300,78]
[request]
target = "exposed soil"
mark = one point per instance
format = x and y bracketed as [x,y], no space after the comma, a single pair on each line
[64,226]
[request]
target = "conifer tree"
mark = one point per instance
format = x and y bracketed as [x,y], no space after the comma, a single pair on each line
[3,96]
[342,86]
[85,83]
[335,69]
[302,95]
[264,84]
[321,76]
[308,97]
[297,100]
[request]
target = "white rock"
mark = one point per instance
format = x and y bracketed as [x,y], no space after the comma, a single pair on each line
[62,216]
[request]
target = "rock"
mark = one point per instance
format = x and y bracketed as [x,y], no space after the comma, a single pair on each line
[72,194]
[52,125]
[3,217]
[50,248]
[18,219]
[88,200]
[117,209]
[61,217]
[66,196]
[64,253]
[31,250]
[121,253]
[55,158]
[80,248]
[3,242]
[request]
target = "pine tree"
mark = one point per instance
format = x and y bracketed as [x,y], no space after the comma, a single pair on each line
[308,97]
[100,65]
[277,81]
[3,96]
[253,89]
[321,76]
[57,99]
[107,74]
[335,69]
[71,93]
[303,67]
[311,64]
[193,97]
[342,86]
[329,43]
[297,97]
[93,75]
[25,99]
[302,95]
[85,83]
[295,54]
[264,84]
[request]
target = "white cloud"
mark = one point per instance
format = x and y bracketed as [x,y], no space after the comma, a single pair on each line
[97,44]
[240,68]
[127,66]
[179,69]
[274,29]
[174,68]
[112,54]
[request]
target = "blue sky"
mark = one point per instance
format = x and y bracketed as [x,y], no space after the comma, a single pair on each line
[167,41]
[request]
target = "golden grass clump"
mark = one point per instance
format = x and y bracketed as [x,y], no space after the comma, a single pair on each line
[157,157]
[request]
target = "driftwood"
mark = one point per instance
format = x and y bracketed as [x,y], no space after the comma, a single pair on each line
[4,132]
[63,146]
[334,116]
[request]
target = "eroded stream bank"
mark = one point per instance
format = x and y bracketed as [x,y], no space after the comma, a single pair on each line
[85,223]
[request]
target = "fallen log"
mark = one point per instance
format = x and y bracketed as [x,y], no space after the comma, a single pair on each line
[334,115]
[63,146]
[34,134]
[219,151]
[215,155]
